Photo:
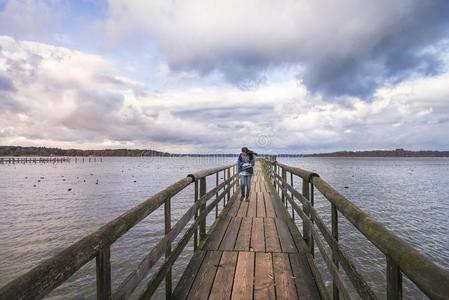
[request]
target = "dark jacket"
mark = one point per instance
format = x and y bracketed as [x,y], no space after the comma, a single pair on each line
[249,159]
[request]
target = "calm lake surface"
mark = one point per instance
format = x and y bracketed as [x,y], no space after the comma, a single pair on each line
[40,216]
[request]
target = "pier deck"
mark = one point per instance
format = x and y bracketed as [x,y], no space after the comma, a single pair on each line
[250,254]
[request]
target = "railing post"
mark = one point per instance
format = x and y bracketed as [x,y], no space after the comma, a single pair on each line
[224,179]
[104,273]
[312,202]
[284,178]
[336,295]
[202,208]
[195,233]
[305,225]
[228,171]
[291,194]
[232,174]
[167,218]
[394,280]
[216,195]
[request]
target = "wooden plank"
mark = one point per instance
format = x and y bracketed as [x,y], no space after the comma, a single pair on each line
[257,235]
[305,285]
[260,206]
[184,284]
[254,186]
[243,280]
[252,206]
[271,236]
[244,236]
[276,205]
[258,186]
[285,285]
[205,277]
[230,236]
[271,213]
[234,207]
[287,243]
[264,187]
[263,278]
[243,209]
[222,286]
[214,240]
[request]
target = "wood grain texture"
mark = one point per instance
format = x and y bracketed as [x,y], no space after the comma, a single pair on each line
[205,277]
[285,284]
[243,280]
[264,277]
[257,235]
[222,286]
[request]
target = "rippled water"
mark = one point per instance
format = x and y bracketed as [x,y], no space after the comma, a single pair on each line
[408,195]
[40,216]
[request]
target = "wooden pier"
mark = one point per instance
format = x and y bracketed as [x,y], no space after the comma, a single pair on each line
[250,254]
[49,159]
[252,250]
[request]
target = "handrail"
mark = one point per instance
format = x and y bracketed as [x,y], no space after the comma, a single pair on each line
[401,257]
[51,273]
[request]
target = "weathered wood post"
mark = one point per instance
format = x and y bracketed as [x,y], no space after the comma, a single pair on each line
[224,179]
[312,203]
[305,225]
[216,195]
[284,178]
[103,263]
[167,218]
[202,208]
[195,233]
[234,171]
[394,280]
[336,294]
[228,172]
[291,195]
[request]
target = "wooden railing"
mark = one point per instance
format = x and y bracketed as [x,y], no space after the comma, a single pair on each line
[51,273]
[401,258]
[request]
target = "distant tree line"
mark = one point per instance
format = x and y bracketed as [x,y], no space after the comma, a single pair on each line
[44,151]
[382,153]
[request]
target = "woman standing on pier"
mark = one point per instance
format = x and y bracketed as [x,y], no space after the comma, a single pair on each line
[246,163]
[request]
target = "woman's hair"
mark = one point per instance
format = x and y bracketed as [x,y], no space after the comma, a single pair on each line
[245,149]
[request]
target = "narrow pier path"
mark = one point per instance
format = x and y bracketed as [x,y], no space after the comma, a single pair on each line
[250,254]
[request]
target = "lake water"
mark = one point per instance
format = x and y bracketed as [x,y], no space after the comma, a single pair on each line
[40,216]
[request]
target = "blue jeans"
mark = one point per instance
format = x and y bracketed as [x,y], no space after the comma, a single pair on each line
[245,184]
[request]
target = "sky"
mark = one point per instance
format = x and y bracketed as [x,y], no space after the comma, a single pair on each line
[191,76]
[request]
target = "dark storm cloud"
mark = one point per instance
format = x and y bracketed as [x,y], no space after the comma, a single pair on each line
[397,55]
[342,48]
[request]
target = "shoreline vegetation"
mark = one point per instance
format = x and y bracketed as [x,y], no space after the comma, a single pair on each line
[382,153]
[18,151]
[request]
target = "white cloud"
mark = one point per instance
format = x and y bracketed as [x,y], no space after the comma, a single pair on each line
[61,97]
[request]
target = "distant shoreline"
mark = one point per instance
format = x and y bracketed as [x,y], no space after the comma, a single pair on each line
[382,153]
[18,151]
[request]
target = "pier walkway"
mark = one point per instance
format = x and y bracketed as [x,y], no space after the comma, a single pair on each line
[249,254]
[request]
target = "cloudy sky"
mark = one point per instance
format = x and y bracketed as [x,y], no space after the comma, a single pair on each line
[290,76]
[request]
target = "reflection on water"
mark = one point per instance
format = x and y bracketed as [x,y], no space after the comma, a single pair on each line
[45,208]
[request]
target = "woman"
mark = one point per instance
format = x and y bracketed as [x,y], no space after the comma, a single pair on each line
[246,163]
